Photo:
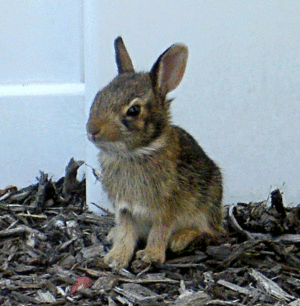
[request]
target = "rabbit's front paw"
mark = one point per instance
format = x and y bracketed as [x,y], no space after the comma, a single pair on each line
[150,255]
[117,259]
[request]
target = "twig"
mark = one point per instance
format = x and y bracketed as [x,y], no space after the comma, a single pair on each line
[148,281]
[20,230]
[225,303]
[184,265]
[24,298]
[5,196]
[39,201]
[107,211]
[270,287]
[291,238]
[70,182]
[237,227]
[32,216]
[234,287]
[276,201]
[97,175]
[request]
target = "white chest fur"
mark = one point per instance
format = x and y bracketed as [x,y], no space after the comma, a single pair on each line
[138,181]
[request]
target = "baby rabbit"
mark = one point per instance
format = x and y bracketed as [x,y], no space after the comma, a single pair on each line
[163,187]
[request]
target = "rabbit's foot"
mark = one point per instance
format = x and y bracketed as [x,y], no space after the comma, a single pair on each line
[118,258]
[151,255]
[182,239]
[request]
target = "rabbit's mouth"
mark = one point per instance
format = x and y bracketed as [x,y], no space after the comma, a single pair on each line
[120,149]
[112,147]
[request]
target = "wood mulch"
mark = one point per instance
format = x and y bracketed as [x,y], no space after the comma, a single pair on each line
[52,248]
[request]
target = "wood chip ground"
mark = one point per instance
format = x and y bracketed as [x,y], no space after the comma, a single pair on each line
[52,248]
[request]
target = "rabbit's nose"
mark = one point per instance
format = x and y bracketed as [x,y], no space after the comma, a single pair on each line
[102,130]
[93,130]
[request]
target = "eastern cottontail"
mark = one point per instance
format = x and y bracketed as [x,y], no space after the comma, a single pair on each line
[163,186]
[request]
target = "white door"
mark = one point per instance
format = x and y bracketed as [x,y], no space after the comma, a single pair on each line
[42,89]
[48,69]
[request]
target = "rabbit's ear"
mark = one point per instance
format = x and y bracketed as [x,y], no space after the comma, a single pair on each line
[168,70]
[123,60]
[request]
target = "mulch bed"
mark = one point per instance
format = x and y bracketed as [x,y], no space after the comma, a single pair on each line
[52,248]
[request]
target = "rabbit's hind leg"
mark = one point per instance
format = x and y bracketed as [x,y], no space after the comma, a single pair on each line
[181,239]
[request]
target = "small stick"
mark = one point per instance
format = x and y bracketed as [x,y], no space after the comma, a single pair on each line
[70,181]
[20,230]
[32,216]
[276,201]
[147,281]
[107,211]
[236,226]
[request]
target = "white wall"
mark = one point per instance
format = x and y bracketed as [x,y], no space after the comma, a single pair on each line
[239,97]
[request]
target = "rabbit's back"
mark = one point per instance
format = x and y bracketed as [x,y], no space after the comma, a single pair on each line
[202,178]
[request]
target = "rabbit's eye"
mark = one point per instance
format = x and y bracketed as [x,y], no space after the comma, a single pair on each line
[133,111]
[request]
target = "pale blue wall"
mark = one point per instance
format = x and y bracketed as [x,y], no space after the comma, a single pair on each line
[241,92]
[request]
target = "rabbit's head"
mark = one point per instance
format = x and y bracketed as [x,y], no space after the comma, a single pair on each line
[132,112]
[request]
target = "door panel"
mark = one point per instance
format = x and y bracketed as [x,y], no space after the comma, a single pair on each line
[42,89]
[41,41]
[40,133]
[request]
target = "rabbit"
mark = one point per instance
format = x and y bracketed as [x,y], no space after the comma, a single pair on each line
[163,187]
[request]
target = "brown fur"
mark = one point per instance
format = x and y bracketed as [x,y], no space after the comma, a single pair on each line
[163,186]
